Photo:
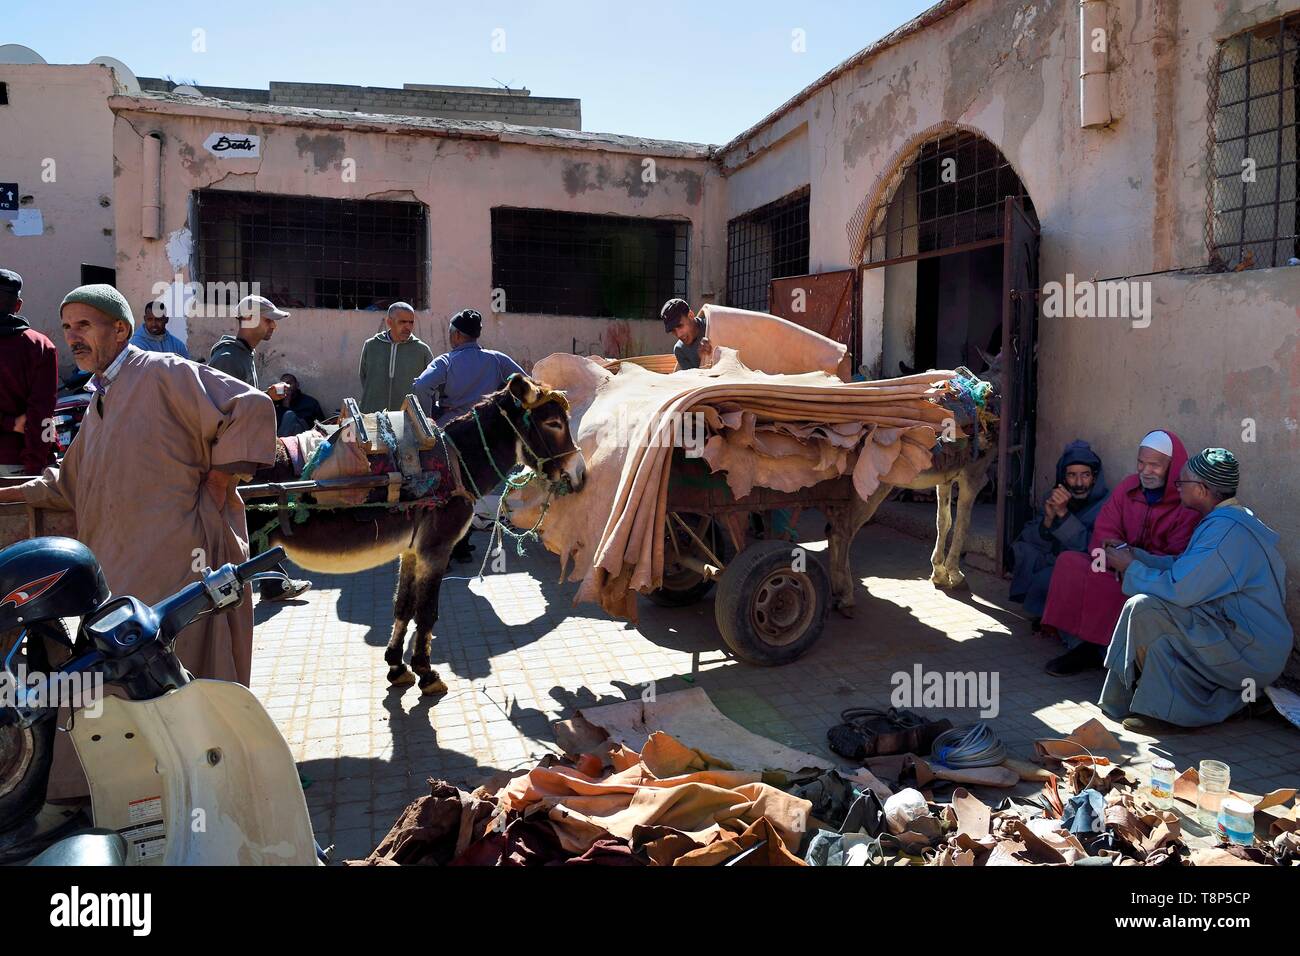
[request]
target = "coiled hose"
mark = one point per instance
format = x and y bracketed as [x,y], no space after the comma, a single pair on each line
[967,747]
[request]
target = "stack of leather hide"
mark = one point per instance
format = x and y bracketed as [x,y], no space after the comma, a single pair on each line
[777,431]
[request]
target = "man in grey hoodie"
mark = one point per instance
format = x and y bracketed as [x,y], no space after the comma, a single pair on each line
[391,360]
[234,355]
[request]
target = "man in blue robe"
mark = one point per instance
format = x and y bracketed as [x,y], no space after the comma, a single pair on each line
[1065,524]
[1204,632]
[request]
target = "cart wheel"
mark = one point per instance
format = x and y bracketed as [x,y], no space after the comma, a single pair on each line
[681,586]
[767,612]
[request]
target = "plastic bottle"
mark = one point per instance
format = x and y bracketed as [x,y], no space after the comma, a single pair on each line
[1211,790]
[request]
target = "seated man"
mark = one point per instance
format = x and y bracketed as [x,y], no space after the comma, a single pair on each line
[1066,523]
[690,329]
[295,410]
[1203,627]
[1084,597]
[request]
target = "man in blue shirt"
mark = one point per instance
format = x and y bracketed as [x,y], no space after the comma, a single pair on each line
[152,334]
[455,381]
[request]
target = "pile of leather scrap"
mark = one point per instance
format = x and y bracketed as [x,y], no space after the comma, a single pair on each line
[665,806]
[780,431]
[626,794]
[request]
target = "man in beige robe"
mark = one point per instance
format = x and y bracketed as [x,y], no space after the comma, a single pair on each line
[151,479]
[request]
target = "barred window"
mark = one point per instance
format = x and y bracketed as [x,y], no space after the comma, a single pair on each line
[1256,90]
[952,194]
[313,253]
[565,263]
[769,243]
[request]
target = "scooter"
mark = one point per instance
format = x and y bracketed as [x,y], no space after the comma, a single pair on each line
[181,771]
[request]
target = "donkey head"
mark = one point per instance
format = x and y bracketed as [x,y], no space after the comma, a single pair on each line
[547,444]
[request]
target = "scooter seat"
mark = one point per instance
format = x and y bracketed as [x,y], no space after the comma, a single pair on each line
[97,847]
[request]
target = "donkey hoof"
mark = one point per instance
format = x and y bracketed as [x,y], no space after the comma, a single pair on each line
[399,676]
[957,581]
[940,578]
[432,685]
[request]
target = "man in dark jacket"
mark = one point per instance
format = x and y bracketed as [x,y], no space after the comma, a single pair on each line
[1064,524]
[235,355]
[297,411]
[28,383]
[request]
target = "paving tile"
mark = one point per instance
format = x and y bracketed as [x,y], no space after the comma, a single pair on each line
[516,655]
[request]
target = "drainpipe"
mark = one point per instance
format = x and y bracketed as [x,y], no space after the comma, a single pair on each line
[151,187]
[1094,40]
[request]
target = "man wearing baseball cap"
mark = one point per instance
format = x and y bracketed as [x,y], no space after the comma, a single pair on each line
[28,383]
[457,380]
[236,356]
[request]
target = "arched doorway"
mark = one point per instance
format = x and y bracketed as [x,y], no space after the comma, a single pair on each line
[949,255]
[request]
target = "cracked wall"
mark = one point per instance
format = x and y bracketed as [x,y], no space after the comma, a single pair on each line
[459,180]
[1121,201]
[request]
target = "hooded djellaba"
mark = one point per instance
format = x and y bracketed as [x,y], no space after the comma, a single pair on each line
[1041,542]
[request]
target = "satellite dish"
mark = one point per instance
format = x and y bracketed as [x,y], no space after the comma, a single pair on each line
[125,78]
[186,90]
[17,53]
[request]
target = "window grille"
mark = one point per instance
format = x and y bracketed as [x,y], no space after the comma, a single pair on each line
[1254,136]
[950,195]
[564,263]
[769,243]
[314,253]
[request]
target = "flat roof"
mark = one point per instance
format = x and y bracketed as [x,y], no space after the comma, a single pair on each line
[180,105]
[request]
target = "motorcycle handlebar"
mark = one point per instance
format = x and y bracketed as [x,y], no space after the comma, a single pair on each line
[262,562]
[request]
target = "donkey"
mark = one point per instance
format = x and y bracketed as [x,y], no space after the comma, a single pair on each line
[968,477]
[525,423]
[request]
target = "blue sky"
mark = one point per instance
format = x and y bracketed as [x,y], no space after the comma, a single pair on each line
[701,71]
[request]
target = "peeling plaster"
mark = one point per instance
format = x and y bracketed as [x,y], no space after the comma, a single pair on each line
[1232,19]
[198,164]
[879,118]
[180,247]
[326,150]
[581,177]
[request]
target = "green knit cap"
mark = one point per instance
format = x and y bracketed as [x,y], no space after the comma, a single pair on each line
[1218,468]
[104,298]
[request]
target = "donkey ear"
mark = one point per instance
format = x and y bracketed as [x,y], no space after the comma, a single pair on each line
[524,389]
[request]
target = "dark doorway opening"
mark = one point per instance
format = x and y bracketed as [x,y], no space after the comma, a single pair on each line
[958,243]
[959,309]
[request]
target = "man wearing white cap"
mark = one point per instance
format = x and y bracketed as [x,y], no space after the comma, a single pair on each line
[1144,511]
[236,356]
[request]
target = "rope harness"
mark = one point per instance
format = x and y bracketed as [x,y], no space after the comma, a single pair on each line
[522,476]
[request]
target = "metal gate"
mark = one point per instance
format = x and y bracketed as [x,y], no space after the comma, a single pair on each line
[824,303]
[1019,376]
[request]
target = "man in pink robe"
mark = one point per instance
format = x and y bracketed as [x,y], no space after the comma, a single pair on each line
[1144,511]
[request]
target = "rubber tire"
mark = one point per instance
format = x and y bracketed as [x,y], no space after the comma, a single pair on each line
[667,597]
[27,798]
[737,589]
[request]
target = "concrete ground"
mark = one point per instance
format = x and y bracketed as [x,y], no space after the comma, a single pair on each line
[516,655]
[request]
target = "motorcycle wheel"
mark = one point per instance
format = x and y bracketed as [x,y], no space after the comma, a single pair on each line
[27,752]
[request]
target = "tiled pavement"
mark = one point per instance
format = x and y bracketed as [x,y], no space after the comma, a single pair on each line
[516,655]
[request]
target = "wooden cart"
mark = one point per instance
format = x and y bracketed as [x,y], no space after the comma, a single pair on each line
[773,595]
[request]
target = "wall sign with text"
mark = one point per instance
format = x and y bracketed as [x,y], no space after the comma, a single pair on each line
[234,145]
